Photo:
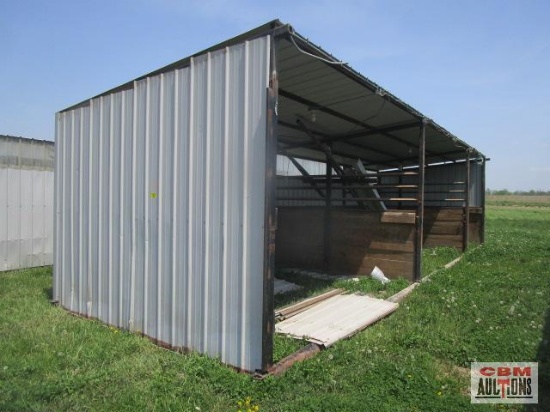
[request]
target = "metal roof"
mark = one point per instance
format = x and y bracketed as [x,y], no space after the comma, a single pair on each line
[357,117]
[26,153]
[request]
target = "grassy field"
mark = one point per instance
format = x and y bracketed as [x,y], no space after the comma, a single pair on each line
[492,306]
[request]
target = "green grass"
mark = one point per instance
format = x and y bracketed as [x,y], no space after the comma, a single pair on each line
[309,287]
[493,305]
[436,258]
[313,286]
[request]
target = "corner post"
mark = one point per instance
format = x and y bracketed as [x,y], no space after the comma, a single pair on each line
[419,227]
[327,241]
[270,214]
[466,227]
[483,189]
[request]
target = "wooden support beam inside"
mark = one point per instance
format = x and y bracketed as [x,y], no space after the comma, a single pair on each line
[419,230]
[466,231]
[327,247]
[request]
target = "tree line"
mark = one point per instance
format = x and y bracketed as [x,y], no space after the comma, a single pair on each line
[506,192]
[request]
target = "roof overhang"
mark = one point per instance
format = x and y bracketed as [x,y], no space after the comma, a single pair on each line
[323,100]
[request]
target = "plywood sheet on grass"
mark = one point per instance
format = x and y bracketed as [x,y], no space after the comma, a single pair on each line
[336,318]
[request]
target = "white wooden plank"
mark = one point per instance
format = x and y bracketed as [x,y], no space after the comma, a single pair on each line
[336,318]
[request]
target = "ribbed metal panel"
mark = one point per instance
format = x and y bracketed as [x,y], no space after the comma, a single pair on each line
[26,203]
[160,205]
[286,168]
[442,182]
[476,184]
[302,191]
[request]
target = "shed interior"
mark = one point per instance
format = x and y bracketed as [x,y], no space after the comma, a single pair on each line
[363,179]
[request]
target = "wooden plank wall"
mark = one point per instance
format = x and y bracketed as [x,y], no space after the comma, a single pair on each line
[299,238]
[444,227]
[362,239]
[359,242]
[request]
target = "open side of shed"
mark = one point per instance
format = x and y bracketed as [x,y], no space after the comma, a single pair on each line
[171,216]
[369,180]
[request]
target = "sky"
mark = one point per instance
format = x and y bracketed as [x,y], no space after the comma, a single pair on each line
[480,68]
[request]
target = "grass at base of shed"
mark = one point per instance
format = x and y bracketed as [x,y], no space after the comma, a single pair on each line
[436,258]
[492,306]
[433,259]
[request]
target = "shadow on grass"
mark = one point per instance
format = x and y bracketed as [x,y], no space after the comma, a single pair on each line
[310,287]
[543,358]
[48,292]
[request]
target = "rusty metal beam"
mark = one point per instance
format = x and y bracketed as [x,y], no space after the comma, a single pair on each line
[305,353]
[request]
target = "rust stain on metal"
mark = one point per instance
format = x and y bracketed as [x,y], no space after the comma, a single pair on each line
[305,353]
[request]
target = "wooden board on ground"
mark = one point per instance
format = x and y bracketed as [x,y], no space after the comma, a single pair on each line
[298,307]
[336,318]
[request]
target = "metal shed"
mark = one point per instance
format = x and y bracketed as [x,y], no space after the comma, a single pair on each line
[26,202]
[170,216]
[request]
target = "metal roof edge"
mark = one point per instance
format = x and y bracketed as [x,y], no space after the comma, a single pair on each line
[280,28]
[259,31]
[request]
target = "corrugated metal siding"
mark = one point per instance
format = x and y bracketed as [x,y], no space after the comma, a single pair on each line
[476,184]
[160,205]
[286,168]
[26,203]
[443,179]
[302,191]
